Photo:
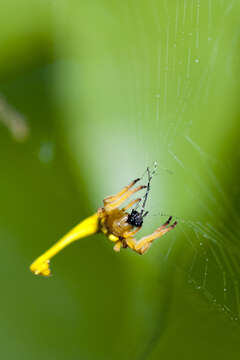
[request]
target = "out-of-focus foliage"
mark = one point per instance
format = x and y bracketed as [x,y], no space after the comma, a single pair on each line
[104,88]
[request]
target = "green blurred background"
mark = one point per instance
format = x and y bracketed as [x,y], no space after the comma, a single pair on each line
[92,92]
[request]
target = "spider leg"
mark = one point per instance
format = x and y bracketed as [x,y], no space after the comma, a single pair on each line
[112,198]
[131,204]
[129,234]
[118,245]
[143,244]
[119,201]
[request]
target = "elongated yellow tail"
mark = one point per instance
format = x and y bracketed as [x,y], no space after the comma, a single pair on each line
[87,227]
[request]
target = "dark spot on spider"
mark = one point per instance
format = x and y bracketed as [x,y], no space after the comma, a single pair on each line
[135,218]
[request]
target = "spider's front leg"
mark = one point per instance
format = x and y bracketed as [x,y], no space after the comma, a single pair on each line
[114,201]
[143,244]
[112,198]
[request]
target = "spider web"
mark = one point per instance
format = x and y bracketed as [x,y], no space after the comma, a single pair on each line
[210,237]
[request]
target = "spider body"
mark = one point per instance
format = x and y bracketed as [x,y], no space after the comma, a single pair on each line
[115,222]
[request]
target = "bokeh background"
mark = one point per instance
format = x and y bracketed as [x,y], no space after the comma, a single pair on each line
[91,93]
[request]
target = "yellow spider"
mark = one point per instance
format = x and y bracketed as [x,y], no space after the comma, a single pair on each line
[117,224]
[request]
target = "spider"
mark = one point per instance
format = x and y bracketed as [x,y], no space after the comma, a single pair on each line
[116,223]
[120,226]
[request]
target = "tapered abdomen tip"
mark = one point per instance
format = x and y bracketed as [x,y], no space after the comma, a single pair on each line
[42,268]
